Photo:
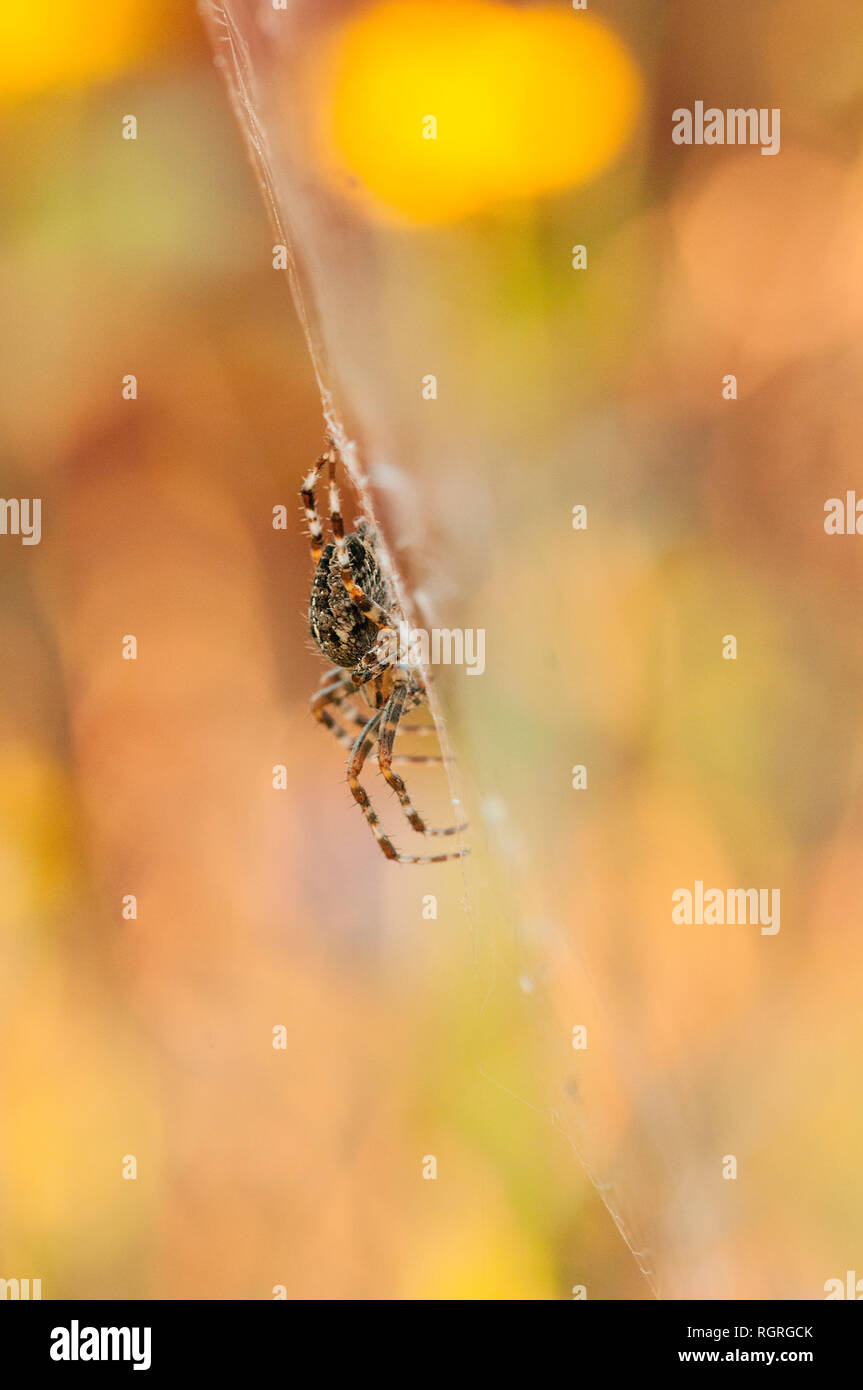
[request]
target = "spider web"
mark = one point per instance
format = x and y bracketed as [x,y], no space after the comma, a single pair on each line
[250,44]
[233,57]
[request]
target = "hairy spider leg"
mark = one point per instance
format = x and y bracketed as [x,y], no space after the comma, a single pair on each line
[375,662]
[360,751]
[359,717]
[310,506]
[337,693]
[333,694]
[392,714]
[366,605]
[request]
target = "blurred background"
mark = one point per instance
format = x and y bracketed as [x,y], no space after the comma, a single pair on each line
[410,1035]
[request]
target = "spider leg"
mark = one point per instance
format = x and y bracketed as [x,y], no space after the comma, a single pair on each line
[361,600]
[392,714]
[333,695]
[337,692]
[418,759]
[358,719]
[376,661]
[310,506]
[359,753]
[371,667]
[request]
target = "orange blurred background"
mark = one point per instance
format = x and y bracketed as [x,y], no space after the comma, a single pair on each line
[300,1168]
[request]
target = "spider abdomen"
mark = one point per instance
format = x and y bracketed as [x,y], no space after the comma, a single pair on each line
[341,630]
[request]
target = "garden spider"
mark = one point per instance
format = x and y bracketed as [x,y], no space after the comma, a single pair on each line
[353,615]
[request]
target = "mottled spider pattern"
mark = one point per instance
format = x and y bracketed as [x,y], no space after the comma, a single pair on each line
[352,615]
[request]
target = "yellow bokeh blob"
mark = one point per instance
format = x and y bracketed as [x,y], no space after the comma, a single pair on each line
[436,109]
[46,44]
[485,1261]
[35,809]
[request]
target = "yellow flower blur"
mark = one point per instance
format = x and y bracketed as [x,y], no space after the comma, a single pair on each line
[440,108]
[51,43]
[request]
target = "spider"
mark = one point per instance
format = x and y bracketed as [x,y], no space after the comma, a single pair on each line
[352,616]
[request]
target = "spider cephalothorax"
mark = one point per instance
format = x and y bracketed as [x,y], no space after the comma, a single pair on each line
[353,613]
